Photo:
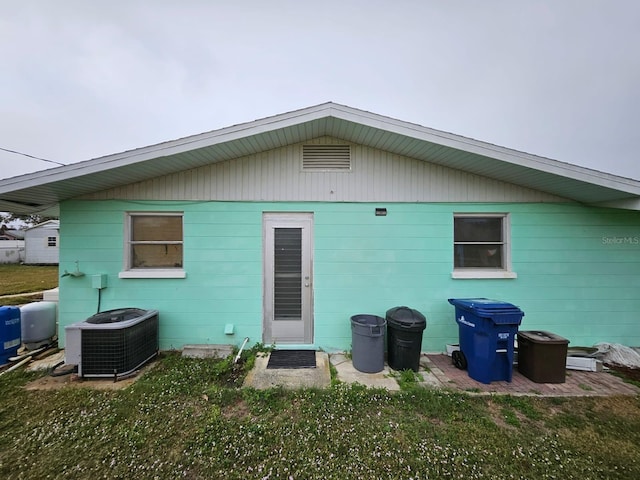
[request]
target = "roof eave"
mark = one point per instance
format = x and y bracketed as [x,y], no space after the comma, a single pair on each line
[57,184]
[623,204]
[496,152]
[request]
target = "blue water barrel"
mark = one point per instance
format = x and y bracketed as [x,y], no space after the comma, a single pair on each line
[9,333]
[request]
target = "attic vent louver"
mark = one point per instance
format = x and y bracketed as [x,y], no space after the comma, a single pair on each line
[326,157]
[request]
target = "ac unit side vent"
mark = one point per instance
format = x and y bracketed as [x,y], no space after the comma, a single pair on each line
[118,352]
[114,349]
[326,157]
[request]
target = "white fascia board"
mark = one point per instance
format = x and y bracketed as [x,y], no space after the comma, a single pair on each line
[326,110]
[164,149]
[496,152]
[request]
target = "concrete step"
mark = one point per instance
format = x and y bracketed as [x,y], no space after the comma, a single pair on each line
[207,351]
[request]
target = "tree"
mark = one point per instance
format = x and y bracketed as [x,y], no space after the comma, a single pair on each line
[24,221]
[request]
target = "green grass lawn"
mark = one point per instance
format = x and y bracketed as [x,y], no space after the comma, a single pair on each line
[16,279]
[188,418]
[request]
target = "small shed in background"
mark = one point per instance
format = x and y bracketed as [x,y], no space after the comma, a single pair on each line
[42,243]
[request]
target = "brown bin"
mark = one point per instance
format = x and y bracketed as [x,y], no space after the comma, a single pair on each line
[542,356]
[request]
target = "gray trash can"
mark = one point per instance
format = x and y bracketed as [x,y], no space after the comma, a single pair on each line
[367,342]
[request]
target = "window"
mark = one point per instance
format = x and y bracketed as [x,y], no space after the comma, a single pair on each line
[481,247]
[52,241]
[153,246]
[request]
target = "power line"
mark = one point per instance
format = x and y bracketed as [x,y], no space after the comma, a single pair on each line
[31,156]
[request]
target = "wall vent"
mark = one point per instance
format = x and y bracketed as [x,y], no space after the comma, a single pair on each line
[326,157]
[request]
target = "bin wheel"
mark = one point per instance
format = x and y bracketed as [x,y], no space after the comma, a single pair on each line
[459,360]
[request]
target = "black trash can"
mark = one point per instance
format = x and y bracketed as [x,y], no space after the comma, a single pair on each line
[367,343]
[404,338]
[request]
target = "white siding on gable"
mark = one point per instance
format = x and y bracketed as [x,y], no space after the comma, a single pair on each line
[277,175]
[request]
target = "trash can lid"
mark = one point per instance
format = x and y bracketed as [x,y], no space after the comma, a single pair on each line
[406,317]
[367,319]
[538,336]
[485,305]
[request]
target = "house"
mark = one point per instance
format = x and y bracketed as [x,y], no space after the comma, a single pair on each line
[41,243]
[10,233]
[282,228]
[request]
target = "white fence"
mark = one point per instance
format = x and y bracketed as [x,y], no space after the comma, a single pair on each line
[11,251]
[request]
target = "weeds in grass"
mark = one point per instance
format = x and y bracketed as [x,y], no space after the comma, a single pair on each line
[525,405]
[187,418]
[334,375]
[625,378]
[263,402]
[568,420]
[407,379]
[510,417]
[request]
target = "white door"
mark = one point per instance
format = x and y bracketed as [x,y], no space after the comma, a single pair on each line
[288,278]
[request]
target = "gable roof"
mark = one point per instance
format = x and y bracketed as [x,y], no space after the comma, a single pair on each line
[41,191]
[47,225]
[11,233]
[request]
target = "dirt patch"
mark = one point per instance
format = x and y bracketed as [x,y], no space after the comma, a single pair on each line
[72,380]
[238,410]
[495,412]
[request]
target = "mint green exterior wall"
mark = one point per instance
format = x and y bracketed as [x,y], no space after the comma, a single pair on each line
[578,269]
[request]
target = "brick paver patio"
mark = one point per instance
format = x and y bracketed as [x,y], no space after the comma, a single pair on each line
[577,383]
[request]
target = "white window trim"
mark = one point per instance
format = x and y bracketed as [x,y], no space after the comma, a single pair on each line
[153,273]
[470,273]
[128,272]
[489,273]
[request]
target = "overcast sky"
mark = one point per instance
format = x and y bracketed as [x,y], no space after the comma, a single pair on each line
[82,79]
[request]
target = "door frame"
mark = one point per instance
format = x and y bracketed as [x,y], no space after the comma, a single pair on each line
[271,221]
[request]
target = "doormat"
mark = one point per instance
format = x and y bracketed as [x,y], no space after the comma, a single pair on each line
[292,359]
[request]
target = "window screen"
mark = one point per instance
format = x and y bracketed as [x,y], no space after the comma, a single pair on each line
[155,241]
[479,241]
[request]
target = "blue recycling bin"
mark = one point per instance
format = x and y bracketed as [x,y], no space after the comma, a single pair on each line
[487,329]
